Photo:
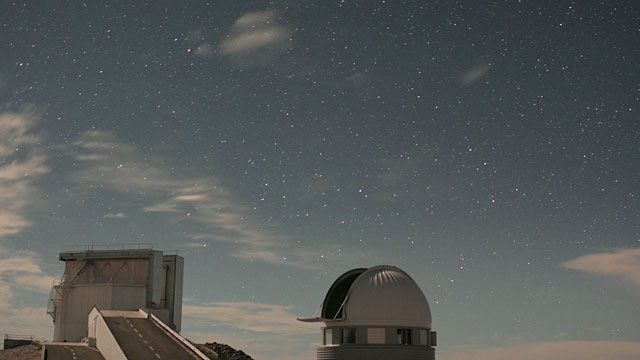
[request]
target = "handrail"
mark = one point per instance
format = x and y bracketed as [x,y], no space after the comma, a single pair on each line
[23,337]
[123,246]
[19,337]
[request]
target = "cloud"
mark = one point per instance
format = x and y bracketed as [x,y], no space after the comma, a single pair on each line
[253,40]
[198,199]
[15,131]
[361,80]
[561,350]
[19,264]
[22,272]
[21,163]
[198,44]
[256,38]
[106,162]
[119,215]
[623,263]
[26,320]
[11,223]
[204,49]
[473,74]
[18,170]
[309,256]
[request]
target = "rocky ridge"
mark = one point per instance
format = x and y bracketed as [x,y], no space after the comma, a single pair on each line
[26,352]
[225,352]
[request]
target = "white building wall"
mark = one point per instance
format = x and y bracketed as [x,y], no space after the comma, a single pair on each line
[105,341]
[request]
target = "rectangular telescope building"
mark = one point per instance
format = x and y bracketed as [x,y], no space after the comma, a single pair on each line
[128,280]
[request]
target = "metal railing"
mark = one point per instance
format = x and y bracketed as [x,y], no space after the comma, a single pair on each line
[53,302]
[19,337]
[14,337]
[123,246]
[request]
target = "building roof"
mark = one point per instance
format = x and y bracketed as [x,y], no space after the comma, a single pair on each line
[108,254]
[379,296]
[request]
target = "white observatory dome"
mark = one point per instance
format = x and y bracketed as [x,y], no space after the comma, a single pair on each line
[379,296]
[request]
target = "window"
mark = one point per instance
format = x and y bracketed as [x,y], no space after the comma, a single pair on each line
[327,337]
[404,336]
[376,336]
[348,336]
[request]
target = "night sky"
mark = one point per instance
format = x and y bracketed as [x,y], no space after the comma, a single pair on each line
[489,149]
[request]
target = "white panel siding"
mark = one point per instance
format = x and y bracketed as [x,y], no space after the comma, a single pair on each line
[376,336]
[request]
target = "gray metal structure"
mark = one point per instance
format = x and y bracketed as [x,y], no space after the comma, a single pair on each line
[378,313]
[126,279]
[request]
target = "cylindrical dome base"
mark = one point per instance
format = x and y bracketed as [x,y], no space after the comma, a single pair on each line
[375,352]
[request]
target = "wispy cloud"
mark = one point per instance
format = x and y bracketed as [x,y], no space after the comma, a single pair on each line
[21,169]
[106,162]
[204,49]
[15,131]
[119,215]
[256,38]
[309,256]
[21,162]
[624,264]
[198,43]
[473,74]
[21,271]
[561,350]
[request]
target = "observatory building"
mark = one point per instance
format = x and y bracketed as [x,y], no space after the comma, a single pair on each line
[375,314]
[124,279]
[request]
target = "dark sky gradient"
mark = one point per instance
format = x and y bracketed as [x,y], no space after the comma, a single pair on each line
[484,147]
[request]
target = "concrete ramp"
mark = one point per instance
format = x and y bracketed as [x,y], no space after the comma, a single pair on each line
[69,351]
[138,335]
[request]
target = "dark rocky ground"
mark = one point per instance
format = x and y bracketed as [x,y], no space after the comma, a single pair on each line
[225,352]
[27,352]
